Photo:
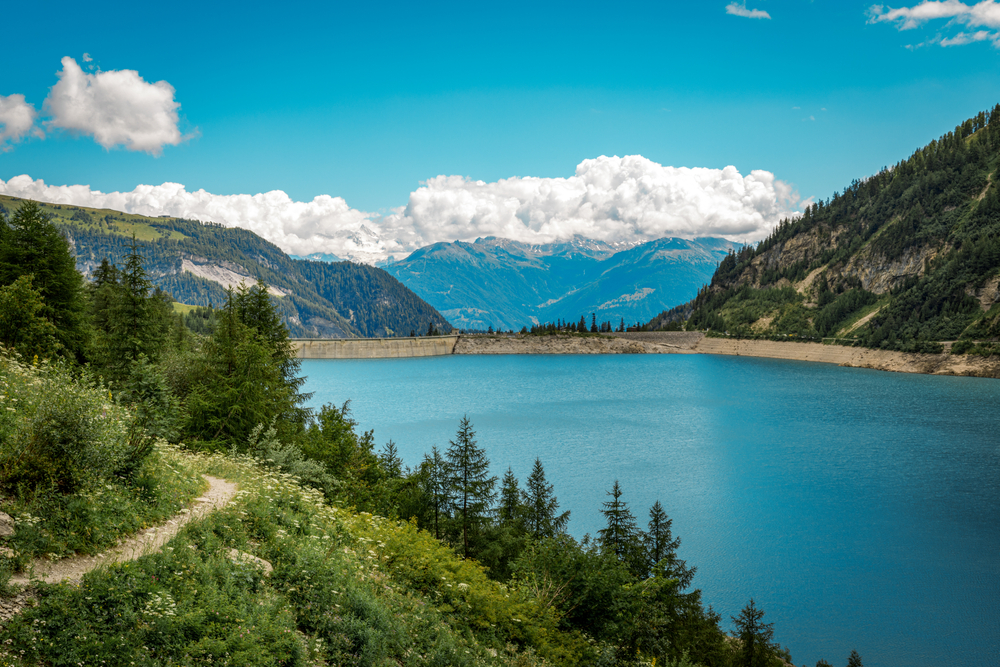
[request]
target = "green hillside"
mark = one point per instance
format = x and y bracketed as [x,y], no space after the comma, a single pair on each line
[906,260]
[193,260]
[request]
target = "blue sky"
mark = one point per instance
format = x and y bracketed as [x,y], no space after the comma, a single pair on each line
[366,101]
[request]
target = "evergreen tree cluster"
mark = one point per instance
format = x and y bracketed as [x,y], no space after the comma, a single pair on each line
[941,204]
[562,326]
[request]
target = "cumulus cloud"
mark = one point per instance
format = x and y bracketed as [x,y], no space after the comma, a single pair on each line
[17,120]
[985,14]
[117,108]
[737,9]
[612,199]
[609,198]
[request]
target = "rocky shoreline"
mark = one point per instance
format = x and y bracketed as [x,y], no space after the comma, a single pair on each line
[664,342]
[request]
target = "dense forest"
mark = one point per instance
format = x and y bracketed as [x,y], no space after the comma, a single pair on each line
[190,260]
[907,259]
[374,563]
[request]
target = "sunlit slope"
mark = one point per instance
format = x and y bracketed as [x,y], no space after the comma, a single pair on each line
[196,261]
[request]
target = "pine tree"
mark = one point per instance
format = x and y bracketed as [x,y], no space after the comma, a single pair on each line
[582,326]
[510,511]
[593,323]
[471,483]
[438,486]
[854,660]
[244,383]
[392,465]
[31,245]
[755,637]
[541,506]
[620,532]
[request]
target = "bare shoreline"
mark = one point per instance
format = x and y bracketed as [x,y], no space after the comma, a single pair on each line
[662,342]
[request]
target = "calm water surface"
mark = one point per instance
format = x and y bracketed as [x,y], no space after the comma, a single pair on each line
[859,508]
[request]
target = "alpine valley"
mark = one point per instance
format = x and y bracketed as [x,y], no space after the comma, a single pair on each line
[496,282]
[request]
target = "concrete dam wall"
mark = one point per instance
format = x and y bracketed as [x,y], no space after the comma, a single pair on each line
[373,348]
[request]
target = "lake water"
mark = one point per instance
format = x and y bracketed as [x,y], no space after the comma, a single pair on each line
[860,509]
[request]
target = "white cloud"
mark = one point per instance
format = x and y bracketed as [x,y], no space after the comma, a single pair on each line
[967,38]
[117,108]
[984,14]
[611,199]
[17,120]
[737,9]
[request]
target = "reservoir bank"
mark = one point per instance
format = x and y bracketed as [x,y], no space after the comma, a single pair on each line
[653,342]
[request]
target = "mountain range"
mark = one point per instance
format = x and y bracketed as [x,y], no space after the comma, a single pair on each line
[500,283]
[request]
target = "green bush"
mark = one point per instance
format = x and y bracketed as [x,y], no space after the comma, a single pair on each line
[61,433]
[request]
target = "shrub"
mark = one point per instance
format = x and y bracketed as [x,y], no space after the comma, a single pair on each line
[61,433]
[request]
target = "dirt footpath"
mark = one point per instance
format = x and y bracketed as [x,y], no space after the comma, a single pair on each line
[219,493]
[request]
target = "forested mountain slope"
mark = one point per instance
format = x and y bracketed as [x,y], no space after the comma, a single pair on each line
[904,260]
[196,261]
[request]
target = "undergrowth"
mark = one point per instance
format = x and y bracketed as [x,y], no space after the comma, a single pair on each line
[346,589]
[75,475]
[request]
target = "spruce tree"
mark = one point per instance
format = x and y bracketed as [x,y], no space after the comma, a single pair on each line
[244,383]
[131,319]
[854,660]
[392,465]
[620,532]
[255,308]
[755,637]
[510,511]
[541,506]
[437,486]
[471,483]
[31,245]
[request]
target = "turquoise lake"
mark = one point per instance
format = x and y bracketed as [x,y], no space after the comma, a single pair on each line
[860,509]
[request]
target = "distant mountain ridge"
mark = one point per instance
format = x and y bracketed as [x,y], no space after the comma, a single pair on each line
[499,282]
[196,261]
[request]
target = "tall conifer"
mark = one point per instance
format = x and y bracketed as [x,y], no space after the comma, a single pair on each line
[620,532]
[471,483]
[541,506]
[31,245]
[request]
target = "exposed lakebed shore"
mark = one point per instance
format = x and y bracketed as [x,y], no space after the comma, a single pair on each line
[664,342]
